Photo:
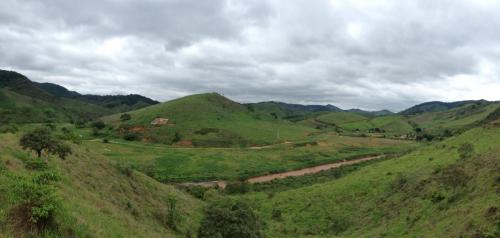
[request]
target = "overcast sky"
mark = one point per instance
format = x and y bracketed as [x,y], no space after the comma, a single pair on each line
[367,54]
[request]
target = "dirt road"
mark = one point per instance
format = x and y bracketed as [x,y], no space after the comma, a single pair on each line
[310,170]
[294,173]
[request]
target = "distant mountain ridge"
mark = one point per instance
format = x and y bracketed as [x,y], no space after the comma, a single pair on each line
[119,102]
[20,84]
[437,106]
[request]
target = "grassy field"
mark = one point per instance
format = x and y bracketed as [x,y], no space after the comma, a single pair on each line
[199,164]
[427,193]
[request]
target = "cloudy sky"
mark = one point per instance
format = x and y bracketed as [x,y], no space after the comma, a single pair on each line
[366,54]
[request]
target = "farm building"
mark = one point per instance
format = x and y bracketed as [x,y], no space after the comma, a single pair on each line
[159,121]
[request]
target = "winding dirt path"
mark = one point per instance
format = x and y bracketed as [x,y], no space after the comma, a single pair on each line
[293,173]
[310,170]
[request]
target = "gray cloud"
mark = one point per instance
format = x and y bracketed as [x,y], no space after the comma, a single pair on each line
[366,54]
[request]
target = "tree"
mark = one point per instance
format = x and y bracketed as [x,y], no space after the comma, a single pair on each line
[125,117]
[230,218]
[38,140]
[61,149]
[41,139]
[98,125]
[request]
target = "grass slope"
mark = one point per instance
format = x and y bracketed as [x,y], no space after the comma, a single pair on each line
[211,120]
[427,193]
[101,199]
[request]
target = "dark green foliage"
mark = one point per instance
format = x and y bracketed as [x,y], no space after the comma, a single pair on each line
[126,169]
[205,131]
[125,117]
[8,128]
[337,225]
[34,201]
[466,150]
[60,149]
[238,187]
[196,191]
[276,214]
[35,164]
[174,217]
[229,218]
[177,137]
[453,176]
[131,136]
[41,139]
[99,125]
[38,140]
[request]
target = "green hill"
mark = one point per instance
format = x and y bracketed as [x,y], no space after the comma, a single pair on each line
[208,120]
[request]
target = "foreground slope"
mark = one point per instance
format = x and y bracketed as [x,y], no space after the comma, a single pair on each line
[209,120]
[98,198]
[431,192]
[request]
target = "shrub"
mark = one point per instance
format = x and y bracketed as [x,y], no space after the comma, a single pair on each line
[98,125]
[35,164]
[35,201]
[238,187]
[9,128]
[125,117]
[131,136]
[60,149]
[453,177]
[466,150]
[276,214]
[230,218]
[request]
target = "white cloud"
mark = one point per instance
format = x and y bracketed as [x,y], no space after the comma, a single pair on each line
[366,54]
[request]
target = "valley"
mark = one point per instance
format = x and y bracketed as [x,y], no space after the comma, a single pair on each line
[128,166]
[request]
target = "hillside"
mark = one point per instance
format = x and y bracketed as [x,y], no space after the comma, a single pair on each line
[430,192]
[97,198]
[24,101]
[117,103]
[208,120]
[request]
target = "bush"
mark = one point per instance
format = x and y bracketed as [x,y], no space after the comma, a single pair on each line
[131,136]
[99,125]
[230,218]
[125,117]
[466,150]
[238,187]
[35,201]
[453,177]
[35,164]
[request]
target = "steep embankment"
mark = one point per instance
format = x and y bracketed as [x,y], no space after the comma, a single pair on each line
[97,197]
